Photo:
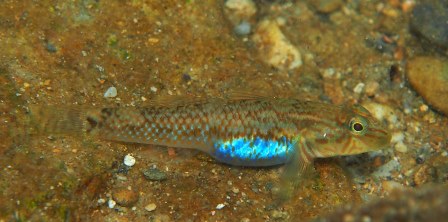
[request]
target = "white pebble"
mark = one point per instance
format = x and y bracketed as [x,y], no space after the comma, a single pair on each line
[101,201]
[150,207]
[243,28]
[111,92]
[111,203]
[358,88]
[129,160]
[153,89]
[401,147]
[220,206]
[444,153]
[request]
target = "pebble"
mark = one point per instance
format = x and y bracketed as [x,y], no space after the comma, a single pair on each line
[101,201]
[401,147]
[372,88]
[150,207]
[111,203]
[429,77]
[111,92]
[51,47]
[239,10]
[381,112]
[243,28]
[153,89]
[125,197]
[220,206]
[154,174]
[421,176]
[358,88]
[276,214]
[429,20]
[129,160]
[274,48]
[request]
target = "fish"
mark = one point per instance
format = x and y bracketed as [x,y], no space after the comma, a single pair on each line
[252,131]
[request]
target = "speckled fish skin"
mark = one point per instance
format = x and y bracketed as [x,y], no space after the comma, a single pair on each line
[251,132]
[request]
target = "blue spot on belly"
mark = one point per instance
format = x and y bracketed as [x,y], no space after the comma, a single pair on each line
[253,151]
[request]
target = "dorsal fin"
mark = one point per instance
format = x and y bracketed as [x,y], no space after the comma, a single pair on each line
[242,94]
[177,100]
[183,100]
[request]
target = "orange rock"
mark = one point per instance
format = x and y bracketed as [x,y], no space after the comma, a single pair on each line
[429,77]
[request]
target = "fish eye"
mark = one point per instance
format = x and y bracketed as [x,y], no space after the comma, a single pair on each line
[357,126]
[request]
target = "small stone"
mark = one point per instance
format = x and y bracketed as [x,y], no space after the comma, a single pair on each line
[153,41]
[372,88]
[111,203]
[154,174]
[381,112]
[235,190]
[51,47]
[101,201]
[358,88]
[125,197]
[220,206]
[239,10]
[423,108]
[111,92]
[276,214]
[401,147]
[243,28]
[129,160]
[422,176]
[429,77]
[153,89]
[444,153]
[150,207]
[274,48]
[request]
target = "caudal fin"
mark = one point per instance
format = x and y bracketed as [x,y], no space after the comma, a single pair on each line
[56,120]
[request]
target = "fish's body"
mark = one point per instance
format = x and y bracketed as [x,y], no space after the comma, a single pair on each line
[243,132]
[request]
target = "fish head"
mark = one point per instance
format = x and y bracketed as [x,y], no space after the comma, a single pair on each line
[353,130]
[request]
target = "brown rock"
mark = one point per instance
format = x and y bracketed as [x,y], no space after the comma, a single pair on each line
[429,77]
[421,176]
[125,197]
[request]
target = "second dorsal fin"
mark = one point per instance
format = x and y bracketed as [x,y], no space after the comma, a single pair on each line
[183,100]
[173,101]
[242,94]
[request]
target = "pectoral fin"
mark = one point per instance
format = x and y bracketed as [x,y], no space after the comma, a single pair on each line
[297,169]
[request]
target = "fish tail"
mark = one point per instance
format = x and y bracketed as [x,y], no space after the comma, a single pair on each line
[57,120]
